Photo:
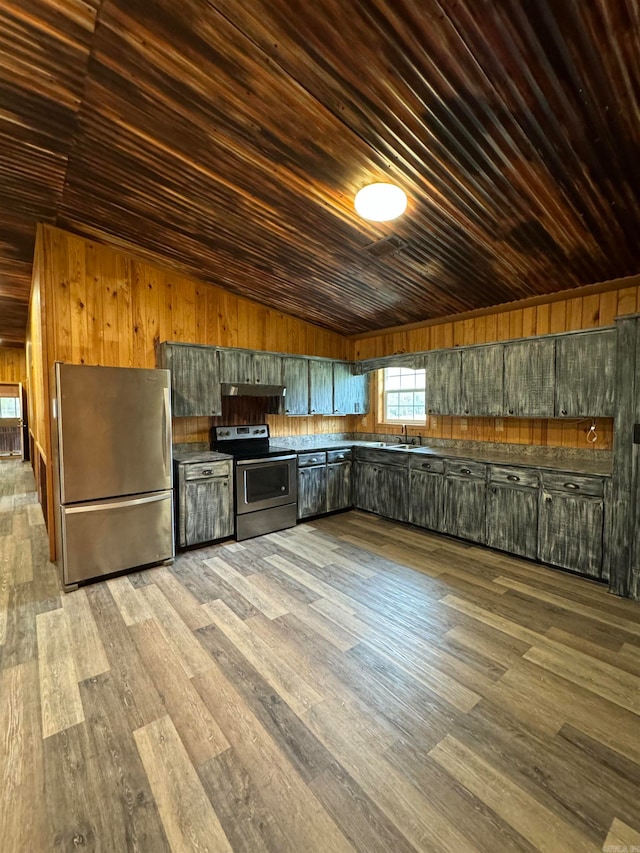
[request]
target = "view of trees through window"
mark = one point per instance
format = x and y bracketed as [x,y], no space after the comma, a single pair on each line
[404,394]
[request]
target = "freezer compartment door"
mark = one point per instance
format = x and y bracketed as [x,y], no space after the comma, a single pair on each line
[114,431]
[102,537]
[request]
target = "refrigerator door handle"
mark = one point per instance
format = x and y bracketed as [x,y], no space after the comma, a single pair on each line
[166,433]
[99,507]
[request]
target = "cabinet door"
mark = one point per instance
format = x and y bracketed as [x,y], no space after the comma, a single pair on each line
[236,366]
[465,508]
[208,510]
[427,500]
[360,393]
[342,388]
[320,387]
[339,486]
[312,491]
[443,381]
[482,377]
[366,486]
[585,374]
[571,531]
[529,378]
[512,520]
[393,492]
[296,381]
[195,379]
[267,369]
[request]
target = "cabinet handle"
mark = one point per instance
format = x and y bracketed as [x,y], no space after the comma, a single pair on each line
[548,500]
[563,412]
[207,471]
[465,470]
[466,411]
[312,461]
[341,456]
[313,411]
[426,464]
[571,486]
[513,478]
[510,411]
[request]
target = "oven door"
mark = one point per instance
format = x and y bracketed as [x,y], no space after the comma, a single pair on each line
[265,483]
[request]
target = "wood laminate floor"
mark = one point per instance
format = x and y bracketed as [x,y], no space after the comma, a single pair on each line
[349,685]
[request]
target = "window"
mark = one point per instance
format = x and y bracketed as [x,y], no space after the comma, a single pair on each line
[9,407]
[404,395]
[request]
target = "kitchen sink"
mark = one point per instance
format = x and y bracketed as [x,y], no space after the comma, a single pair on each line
[403,446]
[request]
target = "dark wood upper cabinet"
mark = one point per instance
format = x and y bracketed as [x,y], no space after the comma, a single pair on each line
[195,379]
[529,378]
[296,381]
[482,380]
[236,366]
[585,374]
[444,382]
[320,387]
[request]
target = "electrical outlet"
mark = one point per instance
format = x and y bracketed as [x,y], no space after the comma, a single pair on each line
[434,423]
[464,424]
[499,424]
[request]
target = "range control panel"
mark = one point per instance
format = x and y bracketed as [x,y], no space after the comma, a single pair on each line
[237,433]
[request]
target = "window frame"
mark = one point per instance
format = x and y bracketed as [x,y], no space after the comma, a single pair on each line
[383,393]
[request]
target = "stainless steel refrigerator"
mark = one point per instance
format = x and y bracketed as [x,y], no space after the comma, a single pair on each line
[111,440]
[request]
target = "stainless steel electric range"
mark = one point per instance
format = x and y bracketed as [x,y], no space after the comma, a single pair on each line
[266,482]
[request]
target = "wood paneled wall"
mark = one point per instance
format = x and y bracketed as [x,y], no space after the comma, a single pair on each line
[107,307]
[585,310]
[13,364]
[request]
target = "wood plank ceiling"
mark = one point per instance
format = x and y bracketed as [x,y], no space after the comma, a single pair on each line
[226,138]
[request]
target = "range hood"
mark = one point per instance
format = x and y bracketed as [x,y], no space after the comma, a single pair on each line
[233,389]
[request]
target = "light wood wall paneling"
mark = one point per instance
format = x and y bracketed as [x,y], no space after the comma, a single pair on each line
[13,364]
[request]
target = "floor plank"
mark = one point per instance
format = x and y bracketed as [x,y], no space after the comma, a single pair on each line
[186,812]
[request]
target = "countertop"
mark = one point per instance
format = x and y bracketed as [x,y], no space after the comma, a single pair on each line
[538,460]
[201,456]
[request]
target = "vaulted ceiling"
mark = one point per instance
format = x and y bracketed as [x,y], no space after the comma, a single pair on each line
[227,138]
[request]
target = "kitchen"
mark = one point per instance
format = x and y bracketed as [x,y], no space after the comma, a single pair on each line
[281,681]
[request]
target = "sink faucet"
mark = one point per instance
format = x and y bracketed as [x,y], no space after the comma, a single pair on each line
[404,434]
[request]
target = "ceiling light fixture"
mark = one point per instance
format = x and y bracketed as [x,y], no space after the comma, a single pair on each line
[381,202]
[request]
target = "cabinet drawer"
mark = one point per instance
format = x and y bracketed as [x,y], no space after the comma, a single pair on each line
[430,464]
[396,458]
[580,484]
[514,476]
[342,455]
[472,470]
[306,459]
[203,470]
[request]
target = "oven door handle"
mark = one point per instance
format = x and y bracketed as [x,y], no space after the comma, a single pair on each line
[263,459]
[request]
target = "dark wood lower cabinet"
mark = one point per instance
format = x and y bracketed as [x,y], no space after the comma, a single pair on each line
[339,492]
[427,500]
[312,491]
[204,501]
[512,520]
[465,508]
[571,532]
[393,492]
[366,486]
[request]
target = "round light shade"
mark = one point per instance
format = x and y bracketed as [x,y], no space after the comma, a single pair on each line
[380,202]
